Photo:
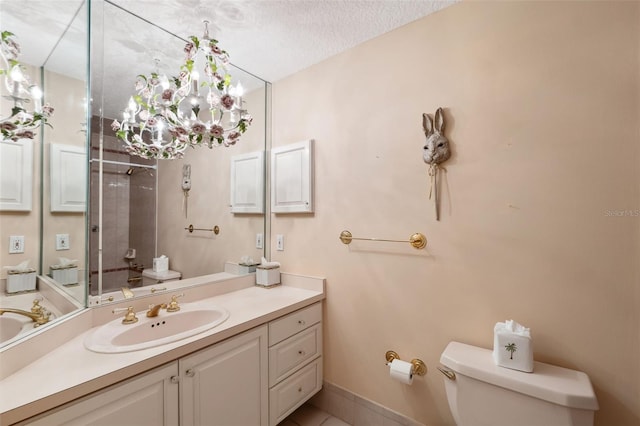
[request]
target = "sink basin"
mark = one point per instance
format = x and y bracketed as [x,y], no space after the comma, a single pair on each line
[167,327]
[9,327]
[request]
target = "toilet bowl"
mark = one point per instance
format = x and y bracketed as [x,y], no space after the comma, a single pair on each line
[482,393]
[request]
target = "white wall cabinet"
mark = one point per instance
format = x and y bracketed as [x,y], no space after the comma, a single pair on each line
[16,171]
[292,178]
[247,181]
[256,378]
[68,169]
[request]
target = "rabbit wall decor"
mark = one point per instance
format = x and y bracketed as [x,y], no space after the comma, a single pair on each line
[436,151]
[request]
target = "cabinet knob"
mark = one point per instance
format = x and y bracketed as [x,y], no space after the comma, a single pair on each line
[301,352]
[300,389]
[190,373]
[301,322]
[174,379]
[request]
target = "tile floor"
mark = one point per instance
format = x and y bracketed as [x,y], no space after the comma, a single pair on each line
[308,415]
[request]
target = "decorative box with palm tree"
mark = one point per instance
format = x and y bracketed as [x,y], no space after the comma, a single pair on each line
[512,346]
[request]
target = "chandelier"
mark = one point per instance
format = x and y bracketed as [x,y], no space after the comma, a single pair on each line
[19,123]
[166,115]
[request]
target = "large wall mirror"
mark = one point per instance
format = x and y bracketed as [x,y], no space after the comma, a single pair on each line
[53,38]
[139,210]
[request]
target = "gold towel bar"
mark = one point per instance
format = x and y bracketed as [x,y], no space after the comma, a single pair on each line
[215,229]
[417,240]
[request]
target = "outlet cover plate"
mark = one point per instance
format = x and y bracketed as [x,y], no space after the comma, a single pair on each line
[62,242]
[16,244]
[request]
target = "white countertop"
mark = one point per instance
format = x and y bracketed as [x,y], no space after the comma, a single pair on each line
[71,371]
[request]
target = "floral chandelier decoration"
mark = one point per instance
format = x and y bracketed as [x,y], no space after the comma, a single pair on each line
[167,115]
[19,123]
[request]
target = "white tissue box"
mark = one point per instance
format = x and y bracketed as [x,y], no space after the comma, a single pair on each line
[512,346]
[245,268]
[65,275]
[21,281]
[267,276]
[160,264]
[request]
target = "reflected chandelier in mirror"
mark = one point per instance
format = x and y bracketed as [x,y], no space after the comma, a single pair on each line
[20,123]
[167,115]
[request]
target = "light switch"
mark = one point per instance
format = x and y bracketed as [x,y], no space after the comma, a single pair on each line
[16,244]
[279,242]
[259,241]
[62,242]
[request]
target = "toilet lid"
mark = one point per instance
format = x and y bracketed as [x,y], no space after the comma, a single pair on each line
[558,385]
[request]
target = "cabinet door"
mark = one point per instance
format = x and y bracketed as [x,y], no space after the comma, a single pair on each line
[292,178]
[148,399]
[226,384]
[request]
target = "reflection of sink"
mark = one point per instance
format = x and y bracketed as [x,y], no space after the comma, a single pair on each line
[167,327]
[9,327]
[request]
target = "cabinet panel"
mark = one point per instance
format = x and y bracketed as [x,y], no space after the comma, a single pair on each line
[292,178]
[288,355]
[16,174]
[148,399]
[293,323]
[227,384]
[288,395]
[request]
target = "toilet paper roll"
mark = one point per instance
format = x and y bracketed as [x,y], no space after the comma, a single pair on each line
[401,371]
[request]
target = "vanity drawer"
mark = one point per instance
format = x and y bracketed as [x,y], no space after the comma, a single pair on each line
[292,392]
[291,353]
[296,321]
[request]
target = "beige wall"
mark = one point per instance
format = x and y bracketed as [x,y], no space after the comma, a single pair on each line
[202,252]
[22,223]
[67,95]
[542,102]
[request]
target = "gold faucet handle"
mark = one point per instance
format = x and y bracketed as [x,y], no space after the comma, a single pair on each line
[37,308]
[43,318]
[173,305]
[129,317]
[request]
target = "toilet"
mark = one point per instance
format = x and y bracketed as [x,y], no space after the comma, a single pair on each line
[481,393]
[151,277]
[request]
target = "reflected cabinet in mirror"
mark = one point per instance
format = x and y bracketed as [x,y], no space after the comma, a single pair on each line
[44,173]
[141,208]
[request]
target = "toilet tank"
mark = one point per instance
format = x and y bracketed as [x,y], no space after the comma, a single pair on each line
[484,394]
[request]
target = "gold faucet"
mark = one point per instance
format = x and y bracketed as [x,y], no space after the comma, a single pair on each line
[38,318]
[127,293]
[153,310]
[173,305]
[134,279]
[129,317]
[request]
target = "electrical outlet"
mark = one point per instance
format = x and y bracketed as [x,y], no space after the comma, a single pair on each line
[279,242]
[62,242]
[259,243]
[16,244]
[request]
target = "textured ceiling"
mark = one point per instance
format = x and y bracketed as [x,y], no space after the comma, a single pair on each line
[275,38]
[270,39]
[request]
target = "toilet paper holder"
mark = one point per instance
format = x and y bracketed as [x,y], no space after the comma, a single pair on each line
[419,367]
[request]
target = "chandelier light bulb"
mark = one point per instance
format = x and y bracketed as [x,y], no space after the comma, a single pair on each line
[16,74]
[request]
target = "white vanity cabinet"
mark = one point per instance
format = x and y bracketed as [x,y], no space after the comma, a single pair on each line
[149,399]
[226,384]
[254,378]
[295,361]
